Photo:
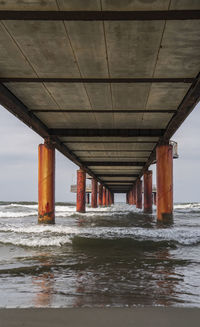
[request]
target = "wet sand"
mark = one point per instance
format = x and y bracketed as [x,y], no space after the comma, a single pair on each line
[135,317]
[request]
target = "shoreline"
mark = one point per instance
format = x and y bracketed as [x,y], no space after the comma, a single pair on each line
[75,317]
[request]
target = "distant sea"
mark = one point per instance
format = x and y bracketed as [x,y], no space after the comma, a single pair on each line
[108,257]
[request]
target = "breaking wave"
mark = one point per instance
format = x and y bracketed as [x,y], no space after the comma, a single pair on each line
[44,236]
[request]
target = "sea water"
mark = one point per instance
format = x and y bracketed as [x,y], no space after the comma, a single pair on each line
[116,256]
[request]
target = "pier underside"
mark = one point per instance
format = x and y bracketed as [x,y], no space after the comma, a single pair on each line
[105,81]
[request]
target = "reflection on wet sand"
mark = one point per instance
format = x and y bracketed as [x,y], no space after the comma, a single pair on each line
[44,284]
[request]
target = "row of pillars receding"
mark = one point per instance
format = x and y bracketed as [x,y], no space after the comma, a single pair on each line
[164,194]
[100,195]
[163,197]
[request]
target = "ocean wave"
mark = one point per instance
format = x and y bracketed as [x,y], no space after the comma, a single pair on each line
[16,214]
[187,206]
[40,235]
[36,242]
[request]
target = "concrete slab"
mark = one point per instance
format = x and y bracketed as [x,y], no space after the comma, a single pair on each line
[28,5]
[45,46]
[166,96]
[12,61]
[130,96]
[79,4]
[131,139]
[118,178]
[135,5]
[99,95]
[184,4]
[133,47]
[69,96]
[107,146]
[114,159]
[179,51]
[110,154]
[155,120]
[87,40]
[33,95]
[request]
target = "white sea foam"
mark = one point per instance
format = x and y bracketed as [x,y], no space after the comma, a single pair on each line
[58,235]
[4,214]
[36,242]
[187,206]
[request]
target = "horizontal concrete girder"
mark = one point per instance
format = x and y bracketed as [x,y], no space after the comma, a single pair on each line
[106,132]
[100,15]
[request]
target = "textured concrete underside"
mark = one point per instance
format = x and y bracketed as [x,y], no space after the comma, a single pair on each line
[117,49]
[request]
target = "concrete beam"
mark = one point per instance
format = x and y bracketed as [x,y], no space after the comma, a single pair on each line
[99,15]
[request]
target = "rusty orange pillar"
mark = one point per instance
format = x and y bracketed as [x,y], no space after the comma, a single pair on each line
[80,195]
[148,191]
[107,197]
[131,197]
[88,198]
[164,159]
[94,193]
[139,194]
[110,198]
[100,194]
[104,196]
[46,183]
[134,194]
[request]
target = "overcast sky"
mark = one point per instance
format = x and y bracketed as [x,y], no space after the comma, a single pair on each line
[19,167]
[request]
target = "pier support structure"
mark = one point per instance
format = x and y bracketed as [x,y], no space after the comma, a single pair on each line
[134,194]
[113,198]
[110,198]
[46,183]
[107,197]
[148,191]
[94,193]
[139,194]
[104,197]
[100,197]
[154,198]
[80,198]
[131,197]
[164,159]
[127,195]
[88,198]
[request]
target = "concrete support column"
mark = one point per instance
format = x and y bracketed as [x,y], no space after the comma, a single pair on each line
[148,191]
[164,159]
[104,196]
[113,198]
[100,195]
[134,194]
[88,198]
[107,197]
[127,198]
[131,197]
[110,198]
[80,198]
[94,193]
[139,194]
[154,198]
[46,184]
